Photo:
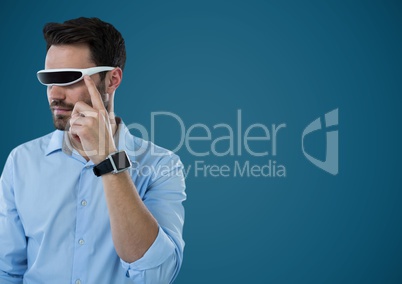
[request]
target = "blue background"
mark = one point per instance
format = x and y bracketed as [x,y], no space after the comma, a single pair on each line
[279,62]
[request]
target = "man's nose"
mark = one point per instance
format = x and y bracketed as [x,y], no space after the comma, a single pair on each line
[56,93]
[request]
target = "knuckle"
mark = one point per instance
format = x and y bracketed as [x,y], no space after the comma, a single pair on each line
[91,113]
[79,104]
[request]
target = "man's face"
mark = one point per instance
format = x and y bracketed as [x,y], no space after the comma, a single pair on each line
[63,99]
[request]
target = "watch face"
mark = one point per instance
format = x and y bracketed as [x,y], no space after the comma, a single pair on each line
[121,160]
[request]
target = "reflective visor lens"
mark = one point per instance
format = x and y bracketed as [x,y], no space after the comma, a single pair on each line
[61,77]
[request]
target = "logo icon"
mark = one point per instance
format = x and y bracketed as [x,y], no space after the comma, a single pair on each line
[330,164]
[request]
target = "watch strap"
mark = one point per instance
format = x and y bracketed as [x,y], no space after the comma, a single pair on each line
[103,167]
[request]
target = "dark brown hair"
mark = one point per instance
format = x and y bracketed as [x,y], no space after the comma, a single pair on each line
[105,42]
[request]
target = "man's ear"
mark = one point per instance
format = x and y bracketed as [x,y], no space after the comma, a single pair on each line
[114,78]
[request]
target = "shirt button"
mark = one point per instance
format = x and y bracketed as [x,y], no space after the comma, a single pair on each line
[81,242]
[78,281]
[84,203]
[87,167]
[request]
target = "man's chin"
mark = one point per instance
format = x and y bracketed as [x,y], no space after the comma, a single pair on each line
[61,123]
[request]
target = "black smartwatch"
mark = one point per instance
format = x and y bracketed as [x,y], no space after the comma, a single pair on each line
[115,163]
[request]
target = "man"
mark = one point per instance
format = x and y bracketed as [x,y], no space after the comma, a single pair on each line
[72,209]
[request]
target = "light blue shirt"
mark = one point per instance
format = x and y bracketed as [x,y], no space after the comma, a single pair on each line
[54,222]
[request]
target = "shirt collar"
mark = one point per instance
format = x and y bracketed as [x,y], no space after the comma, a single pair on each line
[55,142]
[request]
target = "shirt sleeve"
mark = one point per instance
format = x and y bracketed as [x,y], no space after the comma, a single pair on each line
[163,198]
[13,258]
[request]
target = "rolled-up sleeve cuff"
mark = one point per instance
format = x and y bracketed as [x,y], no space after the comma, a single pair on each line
[157,254]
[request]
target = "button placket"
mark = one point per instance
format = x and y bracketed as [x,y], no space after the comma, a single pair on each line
[81,253]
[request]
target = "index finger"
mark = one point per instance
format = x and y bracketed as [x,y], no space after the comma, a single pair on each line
[96,98]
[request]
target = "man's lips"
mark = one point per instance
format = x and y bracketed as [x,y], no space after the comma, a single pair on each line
[61,111]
